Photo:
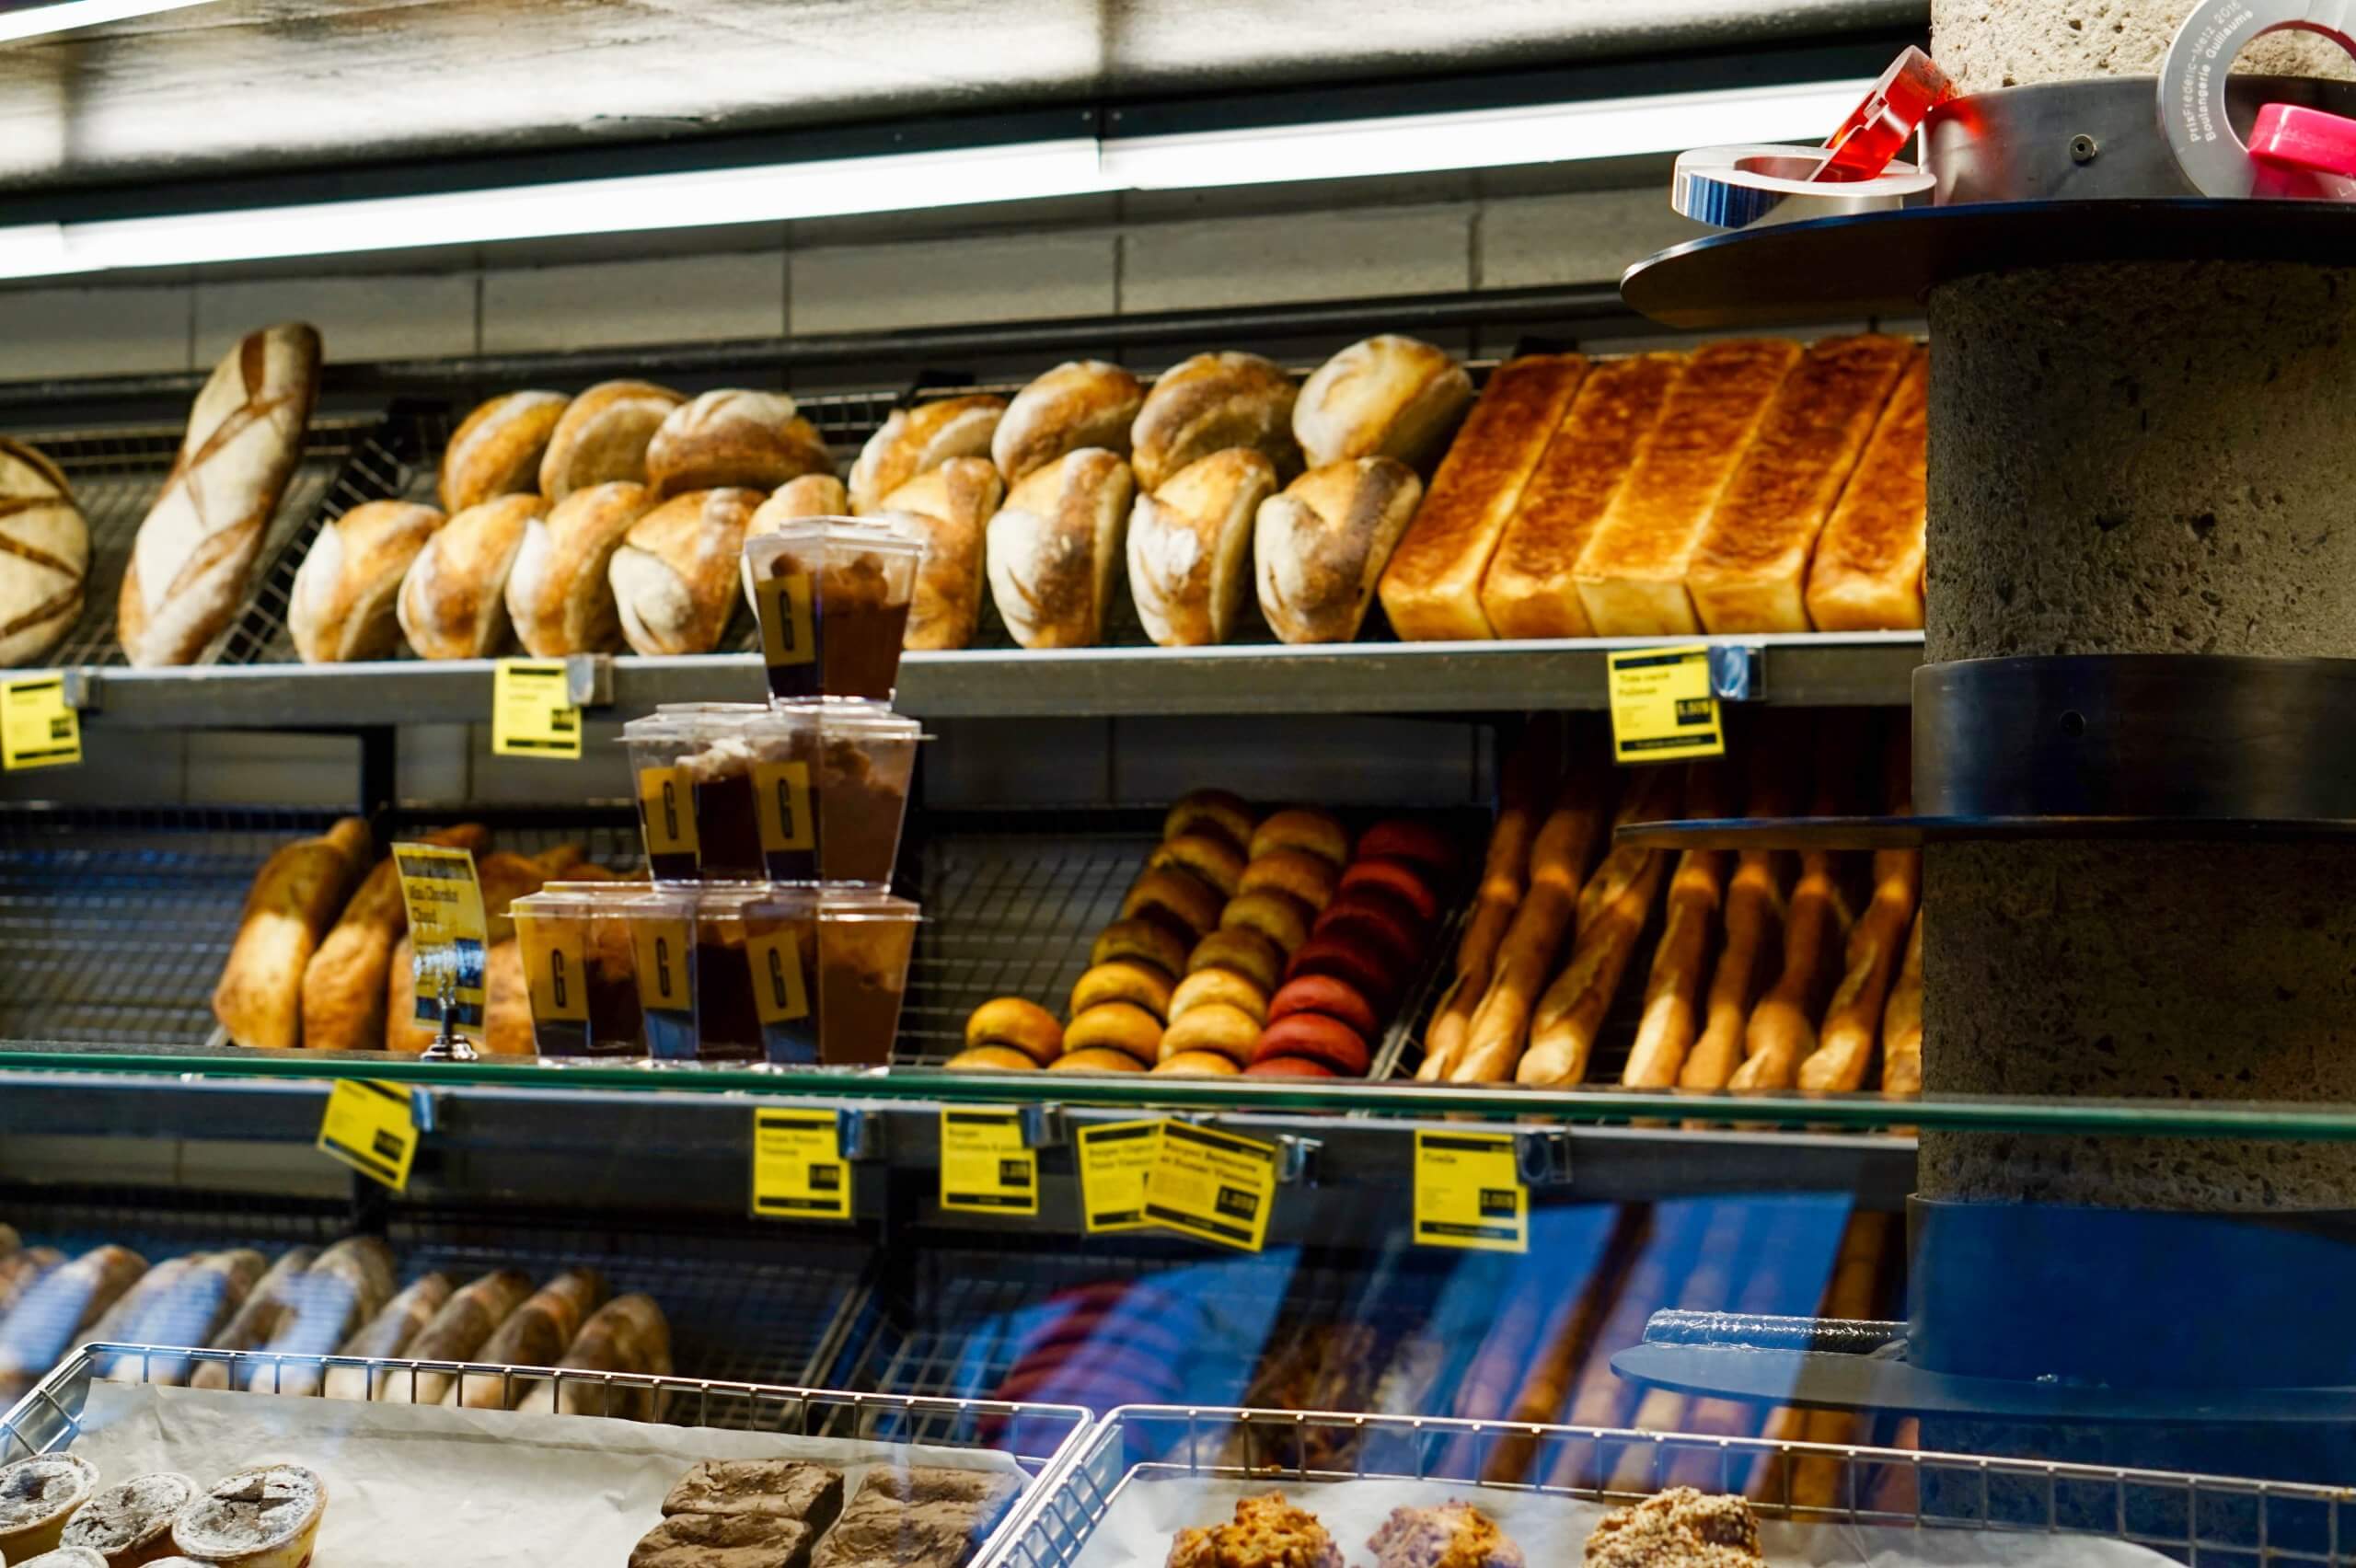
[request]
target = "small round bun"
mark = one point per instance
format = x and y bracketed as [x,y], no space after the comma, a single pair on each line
[1185,897]
[1313,1037]
[1304,827]
[1248,952]
[1097,1059]
[1123,980]
[1001,1057]
[1214,1026]
[1353,962]
[1116,1026]
[1289,1066]
[1417,843]
[1219,986]
[1278,916]
[1399,878]
[1389,931]
[1014,1021]
[1208,854]
[1322,994]
[1309,877]
[1382,900]
[1214,809]
[1148,941]
[1198,1064]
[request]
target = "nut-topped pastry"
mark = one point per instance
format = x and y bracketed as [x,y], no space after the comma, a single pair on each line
[38,1496]
[129,1523]
[1678,1528]
[1453,1535]
[264,1517]
[1267,1532]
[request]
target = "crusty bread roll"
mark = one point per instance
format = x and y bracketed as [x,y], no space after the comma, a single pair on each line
[456,1332]
[535,1334]
[676,574]
[733,441]
[1209,403]
[199,542]
[559,595]
[1188,542]
[951,509]
[44,555]
[602,436]
[1384,396]
[1053,550]
[1529,591]
[342,604]
[343,985]
[1749,571]
[453,603]
[919,439]
[1321,546]
[1631,575]
[1432,589]
[627,1334]
[259,998]
[1869,571]
[1079,403]
[497,449]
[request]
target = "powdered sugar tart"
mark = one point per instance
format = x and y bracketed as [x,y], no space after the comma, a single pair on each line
[69,1557]
[37,1497]
[264,1517]
[129,1523]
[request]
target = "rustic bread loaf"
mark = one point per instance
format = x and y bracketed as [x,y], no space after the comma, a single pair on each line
[453,603]
[676,574]
[497,449]
[1385,396]
[1054,550]
[1188,545]
[1209,403]
[559,594]
[343,607]
[292,901]
[734,440]
[916,441]
[951,508]
[1079,404]
[602,436]
[44,555]
[1320,547]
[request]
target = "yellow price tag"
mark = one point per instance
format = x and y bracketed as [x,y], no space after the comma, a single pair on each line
[783,605]
[1663,708]
[666,811]
[1214,1186]
[781,796]
[1469,1192]
[37,728]
[531,709]
[985,1169]
[1114,1161]
[781,991]
[446,931]
[799,1171]
[369,1127]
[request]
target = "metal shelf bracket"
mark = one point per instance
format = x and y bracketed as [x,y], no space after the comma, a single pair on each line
[1738,672]
[1542,1157]
[859,1132]
[82,687]
[589,679]
[1044,1126]
[1297,1159]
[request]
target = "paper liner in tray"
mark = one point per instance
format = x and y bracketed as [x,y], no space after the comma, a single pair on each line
[422,1483]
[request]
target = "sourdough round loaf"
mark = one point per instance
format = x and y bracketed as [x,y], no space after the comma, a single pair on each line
[497,449]
[951,508]
[919,439]
[559,595]
[603,436]
[676,574]
[343,607]
[1384,396]
[734,440]
[1321,546]
[1079,403]
[1054,550]
[453,603]
[1188,542]
[44,555]
[1209,403]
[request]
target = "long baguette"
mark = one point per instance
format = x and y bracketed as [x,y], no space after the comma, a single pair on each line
[1673,990]
[53,1314]
[1853,1020]
[457,1333]
[1902,1023]
[535,1334]
[627,1334]
[1568,1334]
[1754,928]
[1782,1030]
[347,1287]
[1855,1289]
[1570,1014]
[19,1272]
[1505,878]
[388,1333]
[1708,1289]
[252,1324]
[1601,1398]
[1764,1292]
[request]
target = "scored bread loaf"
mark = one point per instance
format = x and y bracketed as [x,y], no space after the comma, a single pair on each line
[733,441]
[950,509]
[44,555]
[1869,571]
[343,604]
[497,449]
[294,897]
[535,1334]
[1209,403]
[1529,591]
[1054,550]
[559,596]
[199,542]
[1750,571]
[1902,1021]
[386,1336]
[1384,396]
[457,1332]
[627,1334]
[676,574]
[1432,589]
[452,602]
[602,436]
[1188,542]
[1320,548]
[1079,403]
[347,1285]
[1631,575]
[812,495]
[343,984]
[916,441]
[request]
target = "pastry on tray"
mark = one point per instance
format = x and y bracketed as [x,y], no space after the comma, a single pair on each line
[264,1517]
[1267,1532]
[131,1522]
[784,1489]
[1678,1528]
[1453,1535]
[725,1540]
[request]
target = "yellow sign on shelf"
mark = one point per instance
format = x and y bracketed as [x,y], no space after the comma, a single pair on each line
[38,727]
[446,931]
[1663,706]
[370,1127]
[1114,1159]
[1213,1186]
[1469,1192]
[799,1171]
[985,1169]
[531,709]
[784,604]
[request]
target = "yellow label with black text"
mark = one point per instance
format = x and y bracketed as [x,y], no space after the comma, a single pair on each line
[985,1169]
[447,932]
[370,1127]
[784,604]
[781,796]
[780,992]
[38,727]
[1212,1185]
[555,967]
[1663,707]
[660,945]
[1469,1192]
[799,1171]
[1115,1159]
[531,709]
[666,810]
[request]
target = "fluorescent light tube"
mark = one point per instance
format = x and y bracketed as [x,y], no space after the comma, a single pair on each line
[1483,138]
[68,15]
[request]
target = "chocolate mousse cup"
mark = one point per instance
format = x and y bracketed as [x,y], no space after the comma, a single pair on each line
[833,596]
[696,767]
[833,812]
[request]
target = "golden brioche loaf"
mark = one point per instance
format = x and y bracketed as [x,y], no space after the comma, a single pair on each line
[1869,571]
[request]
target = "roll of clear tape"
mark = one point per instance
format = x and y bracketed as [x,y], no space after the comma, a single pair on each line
[1746,184]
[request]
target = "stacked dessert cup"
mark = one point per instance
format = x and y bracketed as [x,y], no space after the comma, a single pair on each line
[771,933]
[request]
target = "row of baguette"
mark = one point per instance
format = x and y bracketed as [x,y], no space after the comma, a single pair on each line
[1752,486]
[310,1302]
